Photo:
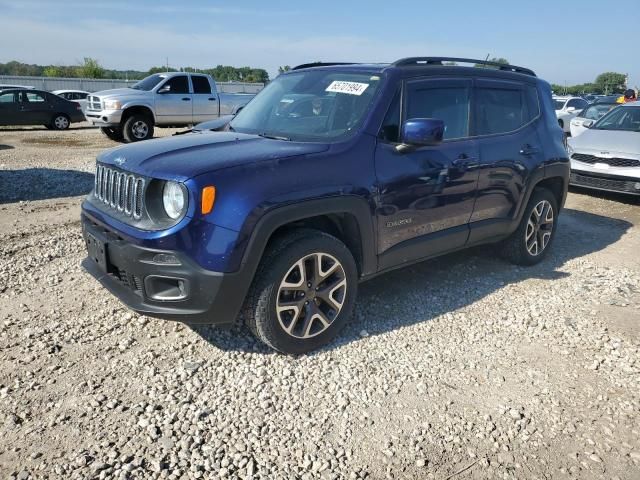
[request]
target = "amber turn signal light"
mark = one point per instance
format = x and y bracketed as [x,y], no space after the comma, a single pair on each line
[208,199]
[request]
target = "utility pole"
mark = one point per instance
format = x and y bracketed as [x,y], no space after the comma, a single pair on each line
[167,70]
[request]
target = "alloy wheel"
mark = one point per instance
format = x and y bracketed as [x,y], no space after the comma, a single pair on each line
[311,295]
[140,130]
[539,228]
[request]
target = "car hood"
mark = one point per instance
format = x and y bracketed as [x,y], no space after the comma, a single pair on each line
[611,141]
[187,156]
[121,92]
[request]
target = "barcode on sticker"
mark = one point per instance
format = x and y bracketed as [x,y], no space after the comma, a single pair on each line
[352,88]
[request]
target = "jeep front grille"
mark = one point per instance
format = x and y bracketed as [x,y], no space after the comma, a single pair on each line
[121,191]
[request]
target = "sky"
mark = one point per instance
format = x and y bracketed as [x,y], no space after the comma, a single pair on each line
[562,45]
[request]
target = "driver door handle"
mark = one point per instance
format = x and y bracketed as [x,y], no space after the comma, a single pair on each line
[186,99]
[465,161]
[212,99]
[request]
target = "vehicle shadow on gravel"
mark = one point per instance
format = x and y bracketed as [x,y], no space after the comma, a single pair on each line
[424,291]
[6,147]
[43,183]
[45,129]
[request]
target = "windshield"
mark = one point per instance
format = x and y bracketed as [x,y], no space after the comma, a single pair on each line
[558,104]
[625,119]
[594,112]
[309,106]
[148,83]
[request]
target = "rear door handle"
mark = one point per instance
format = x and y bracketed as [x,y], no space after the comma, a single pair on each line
[186,99]
[212,99]
[528,150]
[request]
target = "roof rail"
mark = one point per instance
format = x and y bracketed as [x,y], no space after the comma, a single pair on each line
[321,64]
[403,62]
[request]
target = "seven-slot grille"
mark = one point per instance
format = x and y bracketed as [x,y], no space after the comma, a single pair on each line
[614,162]
[94,103]
[120,190]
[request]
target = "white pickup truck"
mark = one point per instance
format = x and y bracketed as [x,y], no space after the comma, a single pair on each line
[161,100]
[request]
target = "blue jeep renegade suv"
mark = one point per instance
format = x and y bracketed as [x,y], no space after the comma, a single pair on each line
[334,173]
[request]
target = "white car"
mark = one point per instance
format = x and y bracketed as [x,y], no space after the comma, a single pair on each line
[593,112]
[567,108]
[78,96]
[607,155]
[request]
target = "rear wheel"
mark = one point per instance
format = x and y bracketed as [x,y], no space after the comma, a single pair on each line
[112,133]
[303,293]
[137,127]
[531,242]
[60,122]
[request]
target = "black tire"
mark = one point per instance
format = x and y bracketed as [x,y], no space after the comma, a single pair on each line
[561,123]
[60,121]
[137,127]
[518,248]
[278,263]
[112,133]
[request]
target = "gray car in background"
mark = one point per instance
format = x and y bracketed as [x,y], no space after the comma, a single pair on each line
[607,155]
[20,106]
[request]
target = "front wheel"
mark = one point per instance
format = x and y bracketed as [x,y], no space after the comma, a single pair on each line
[137,127]
[303,293]
[531,242]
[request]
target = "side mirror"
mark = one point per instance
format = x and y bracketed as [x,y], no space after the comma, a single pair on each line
[587,123]
[571,109]
[420,132]
[165,89]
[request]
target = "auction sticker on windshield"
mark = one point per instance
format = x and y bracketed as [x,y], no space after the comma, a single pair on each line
[352,88]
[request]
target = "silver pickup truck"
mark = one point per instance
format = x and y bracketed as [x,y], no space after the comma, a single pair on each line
[162,100]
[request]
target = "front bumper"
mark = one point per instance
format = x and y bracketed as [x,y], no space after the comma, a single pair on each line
[606,182]
[184,292]
[104,118]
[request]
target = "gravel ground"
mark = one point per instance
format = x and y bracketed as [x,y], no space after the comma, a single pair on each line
[460,368]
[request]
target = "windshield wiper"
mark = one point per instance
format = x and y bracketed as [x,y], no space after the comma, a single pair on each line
[274,137]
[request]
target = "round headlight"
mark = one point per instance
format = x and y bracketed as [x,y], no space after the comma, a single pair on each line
[173,199]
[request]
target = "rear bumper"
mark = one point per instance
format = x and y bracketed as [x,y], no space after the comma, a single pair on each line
[184,292]
[606,182]
[104,118]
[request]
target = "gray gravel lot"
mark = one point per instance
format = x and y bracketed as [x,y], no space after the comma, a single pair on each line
[460,368]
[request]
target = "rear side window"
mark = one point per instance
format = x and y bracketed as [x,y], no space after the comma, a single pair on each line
[503,110]
[200,84]
[32,97]
[178,84]
[449,104]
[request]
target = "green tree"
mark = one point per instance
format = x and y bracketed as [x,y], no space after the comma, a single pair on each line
[282,69]
[51,71]
[90,68]
[611,82]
